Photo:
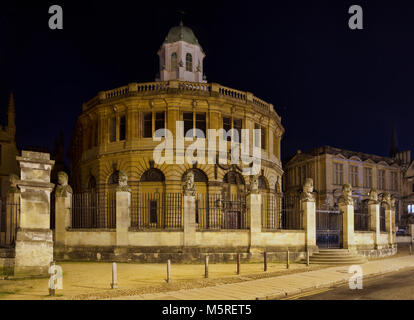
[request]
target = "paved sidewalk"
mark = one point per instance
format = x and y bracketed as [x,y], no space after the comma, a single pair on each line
[279,287]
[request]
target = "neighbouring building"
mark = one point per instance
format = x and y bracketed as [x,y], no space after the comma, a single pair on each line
[8,149]
[331,167]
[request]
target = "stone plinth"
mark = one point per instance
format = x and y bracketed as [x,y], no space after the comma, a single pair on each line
[348,226]
[254,207]
[34,243]
[123,217]
[189,221]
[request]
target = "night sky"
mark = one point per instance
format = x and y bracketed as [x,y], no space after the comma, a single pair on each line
[331,85]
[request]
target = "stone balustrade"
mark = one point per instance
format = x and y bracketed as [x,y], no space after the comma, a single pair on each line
[209,89]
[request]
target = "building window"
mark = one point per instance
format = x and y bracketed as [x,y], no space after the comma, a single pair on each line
[159,120]
[237,125]
[147,125]
[201,122]
[122,128]
[353,176]
[188,62]
[226,127]
[112,129]
[338,173]
[188,122]
[411,208]
[394,183]
[262,136]
[2,155]
[174,61]
[367,177]
[381,179]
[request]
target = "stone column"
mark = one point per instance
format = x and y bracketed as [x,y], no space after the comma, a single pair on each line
[346,206]
[123,210]
[254,207]
[374,214]
[63,208]
[309,214]
[34,243]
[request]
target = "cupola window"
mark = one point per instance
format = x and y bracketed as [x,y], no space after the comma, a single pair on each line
[174,61]
[189,62]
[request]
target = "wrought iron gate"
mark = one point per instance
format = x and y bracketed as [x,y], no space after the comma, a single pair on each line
[329,228]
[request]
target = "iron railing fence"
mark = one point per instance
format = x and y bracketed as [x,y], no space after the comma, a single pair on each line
[383,227]
[94,209]
[329,227]
[9,221]
[157,210]
[270,211]
[291,213]
[362,218]
[213,211]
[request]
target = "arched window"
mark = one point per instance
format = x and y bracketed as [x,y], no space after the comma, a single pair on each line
[113,179]
[199,175]
[173,61]
[153,175]
[188,62]
[262,183]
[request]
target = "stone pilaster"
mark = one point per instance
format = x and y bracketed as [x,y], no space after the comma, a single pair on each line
[123,217]
[254,207]
[309,223]
[374,213]
[34,242]
[189,222]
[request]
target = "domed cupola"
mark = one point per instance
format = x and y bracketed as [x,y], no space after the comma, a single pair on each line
[181,56]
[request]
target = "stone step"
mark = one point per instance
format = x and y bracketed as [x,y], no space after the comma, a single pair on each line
[336,256]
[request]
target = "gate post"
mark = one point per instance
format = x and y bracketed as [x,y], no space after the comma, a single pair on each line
[12,211]
[309,215]
[254,207]
[123,210]
[189,223]
[34,242]
[374,213]
[346,206]
[63,208]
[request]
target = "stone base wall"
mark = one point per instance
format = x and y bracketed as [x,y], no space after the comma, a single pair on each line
[175,254]
[377,253]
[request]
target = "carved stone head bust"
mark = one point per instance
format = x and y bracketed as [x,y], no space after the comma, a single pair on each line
[189,188]
[254,184]
[307,194]
[63,189]
[373,196]
[123,182]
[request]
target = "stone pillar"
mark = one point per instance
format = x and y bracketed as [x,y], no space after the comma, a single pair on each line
[346,206]
[189,221]
[34,243]
[123,210]
[309,214]
[374,213]
[309,223]
[123,217]
[389,205]
[63,208]
[254,207]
